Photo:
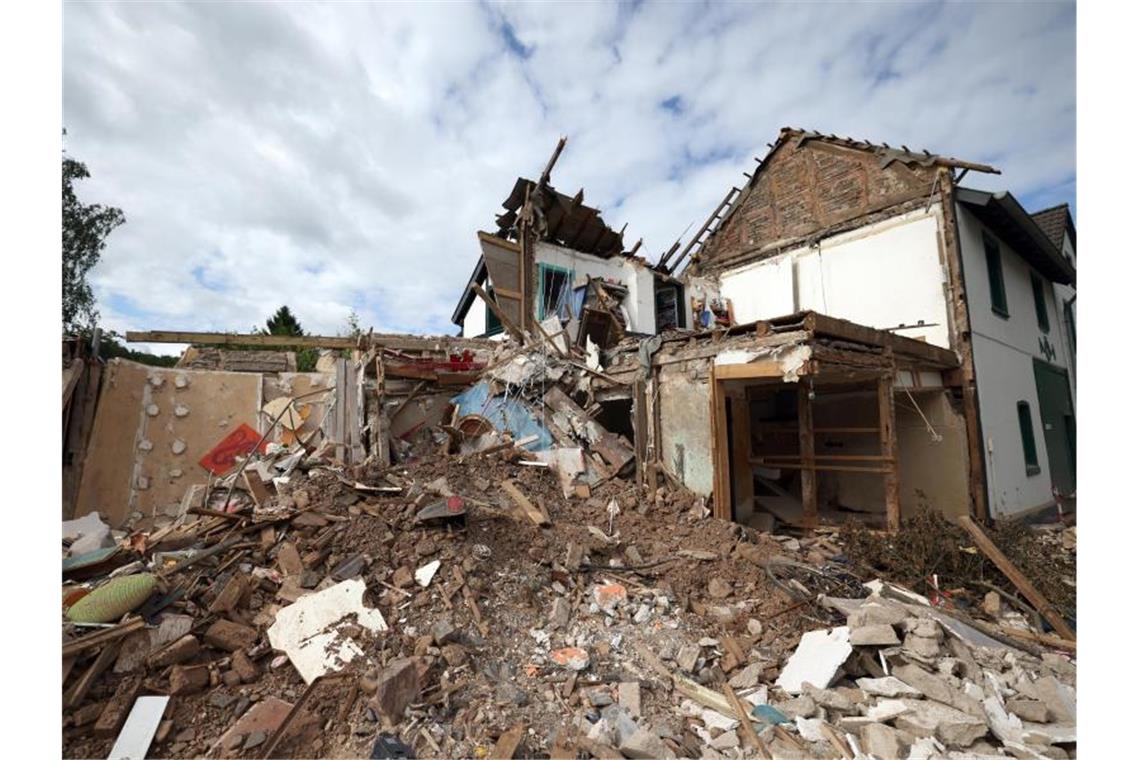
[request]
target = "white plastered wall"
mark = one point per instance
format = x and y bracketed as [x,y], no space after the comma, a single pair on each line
[639,304]
[883,275]
[1004,349]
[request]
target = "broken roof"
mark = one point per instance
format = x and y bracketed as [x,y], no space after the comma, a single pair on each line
[1005,216]
[1054,222]
[885,152]
[566,221]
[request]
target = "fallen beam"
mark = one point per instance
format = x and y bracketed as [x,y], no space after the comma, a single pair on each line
[397,342]
[1027,589]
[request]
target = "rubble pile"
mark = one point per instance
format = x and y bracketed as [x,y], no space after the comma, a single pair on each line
[506,590]
[928,546]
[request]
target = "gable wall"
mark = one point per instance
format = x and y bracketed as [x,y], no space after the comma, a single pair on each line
[803,191]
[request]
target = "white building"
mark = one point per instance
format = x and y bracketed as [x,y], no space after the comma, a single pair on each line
[889,238]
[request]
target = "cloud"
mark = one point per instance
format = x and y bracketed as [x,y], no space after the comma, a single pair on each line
[341,156]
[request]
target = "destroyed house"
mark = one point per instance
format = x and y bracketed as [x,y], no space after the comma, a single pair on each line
[890,242]
[553,256]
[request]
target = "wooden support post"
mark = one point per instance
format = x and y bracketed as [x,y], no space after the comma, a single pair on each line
[741,453]
[640,428]
[722,506]
[888,441]
[807,456]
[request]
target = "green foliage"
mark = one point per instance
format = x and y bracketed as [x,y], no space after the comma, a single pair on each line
[282,323]
[110,347]
[85,231]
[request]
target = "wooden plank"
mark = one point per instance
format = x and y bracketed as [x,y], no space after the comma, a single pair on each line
[752,370]
[1015,576]
[745,721]
[533,513]
[508,742]
[824,325]
[1043,639]
[888,442]
[102,637]
[807,455]
[106,656]
[256,487]
[779,464]
[71,377]
[741,451]
[438,343]
[836,457]
[506,321]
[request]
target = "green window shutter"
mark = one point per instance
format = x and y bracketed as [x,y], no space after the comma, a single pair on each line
[1028,444]
[997,281]
[1039,303]
[494,326]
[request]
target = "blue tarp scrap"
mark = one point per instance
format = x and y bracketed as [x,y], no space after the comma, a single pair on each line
[506,414]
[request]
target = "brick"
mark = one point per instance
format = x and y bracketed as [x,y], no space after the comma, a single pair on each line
[230,636]
[188,680]
[118,708]
[397,686]
[181,650]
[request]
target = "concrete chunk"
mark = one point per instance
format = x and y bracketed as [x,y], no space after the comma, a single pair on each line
[952,727]
[880,741]
[397,686]
[878,635]
[816,660]
[887,686]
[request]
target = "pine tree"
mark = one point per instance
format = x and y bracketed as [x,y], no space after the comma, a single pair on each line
[283,323]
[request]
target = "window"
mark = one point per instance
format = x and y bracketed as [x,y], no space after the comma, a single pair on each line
[554,290]
[997,282]
[1039,302]
[1071,324]
[1028,445]
[494,326]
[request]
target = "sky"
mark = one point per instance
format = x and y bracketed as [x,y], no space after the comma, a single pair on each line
[341,157]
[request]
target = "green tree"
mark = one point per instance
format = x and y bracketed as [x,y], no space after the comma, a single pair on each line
[85,231]
[283,323]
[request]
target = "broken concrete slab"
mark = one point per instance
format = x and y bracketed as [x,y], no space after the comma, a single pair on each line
[308,630]
[816,660]
[887,686]
[955,728]
[1058,697]
[747,677]
[880,741]
[876,635]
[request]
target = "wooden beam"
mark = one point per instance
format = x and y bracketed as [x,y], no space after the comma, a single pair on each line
[963,342]
[504,320]
[396,342]
[640,428]
[807,454]
[888,442]
[533,513]
[823,325]
[817,467]
[1017,578]
[102,637]
[750,371]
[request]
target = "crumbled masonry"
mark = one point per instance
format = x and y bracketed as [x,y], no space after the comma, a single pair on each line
[477,596]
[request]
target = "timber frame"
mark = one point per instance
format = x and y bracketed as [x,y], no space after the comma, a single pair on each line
[806,350]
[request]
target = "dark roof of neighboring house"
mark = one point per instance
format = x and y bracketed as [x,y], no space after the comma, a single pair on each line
[1002,213]
[468,296]
[1054,221]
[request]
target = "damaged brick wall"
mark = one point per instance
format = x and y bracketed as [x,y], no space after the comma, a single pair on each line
[800,192]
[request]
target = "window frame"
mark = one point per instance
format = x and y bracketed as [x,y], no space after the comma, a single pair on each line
[1028,438]
[998,292]
[543,268]
[488,329]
